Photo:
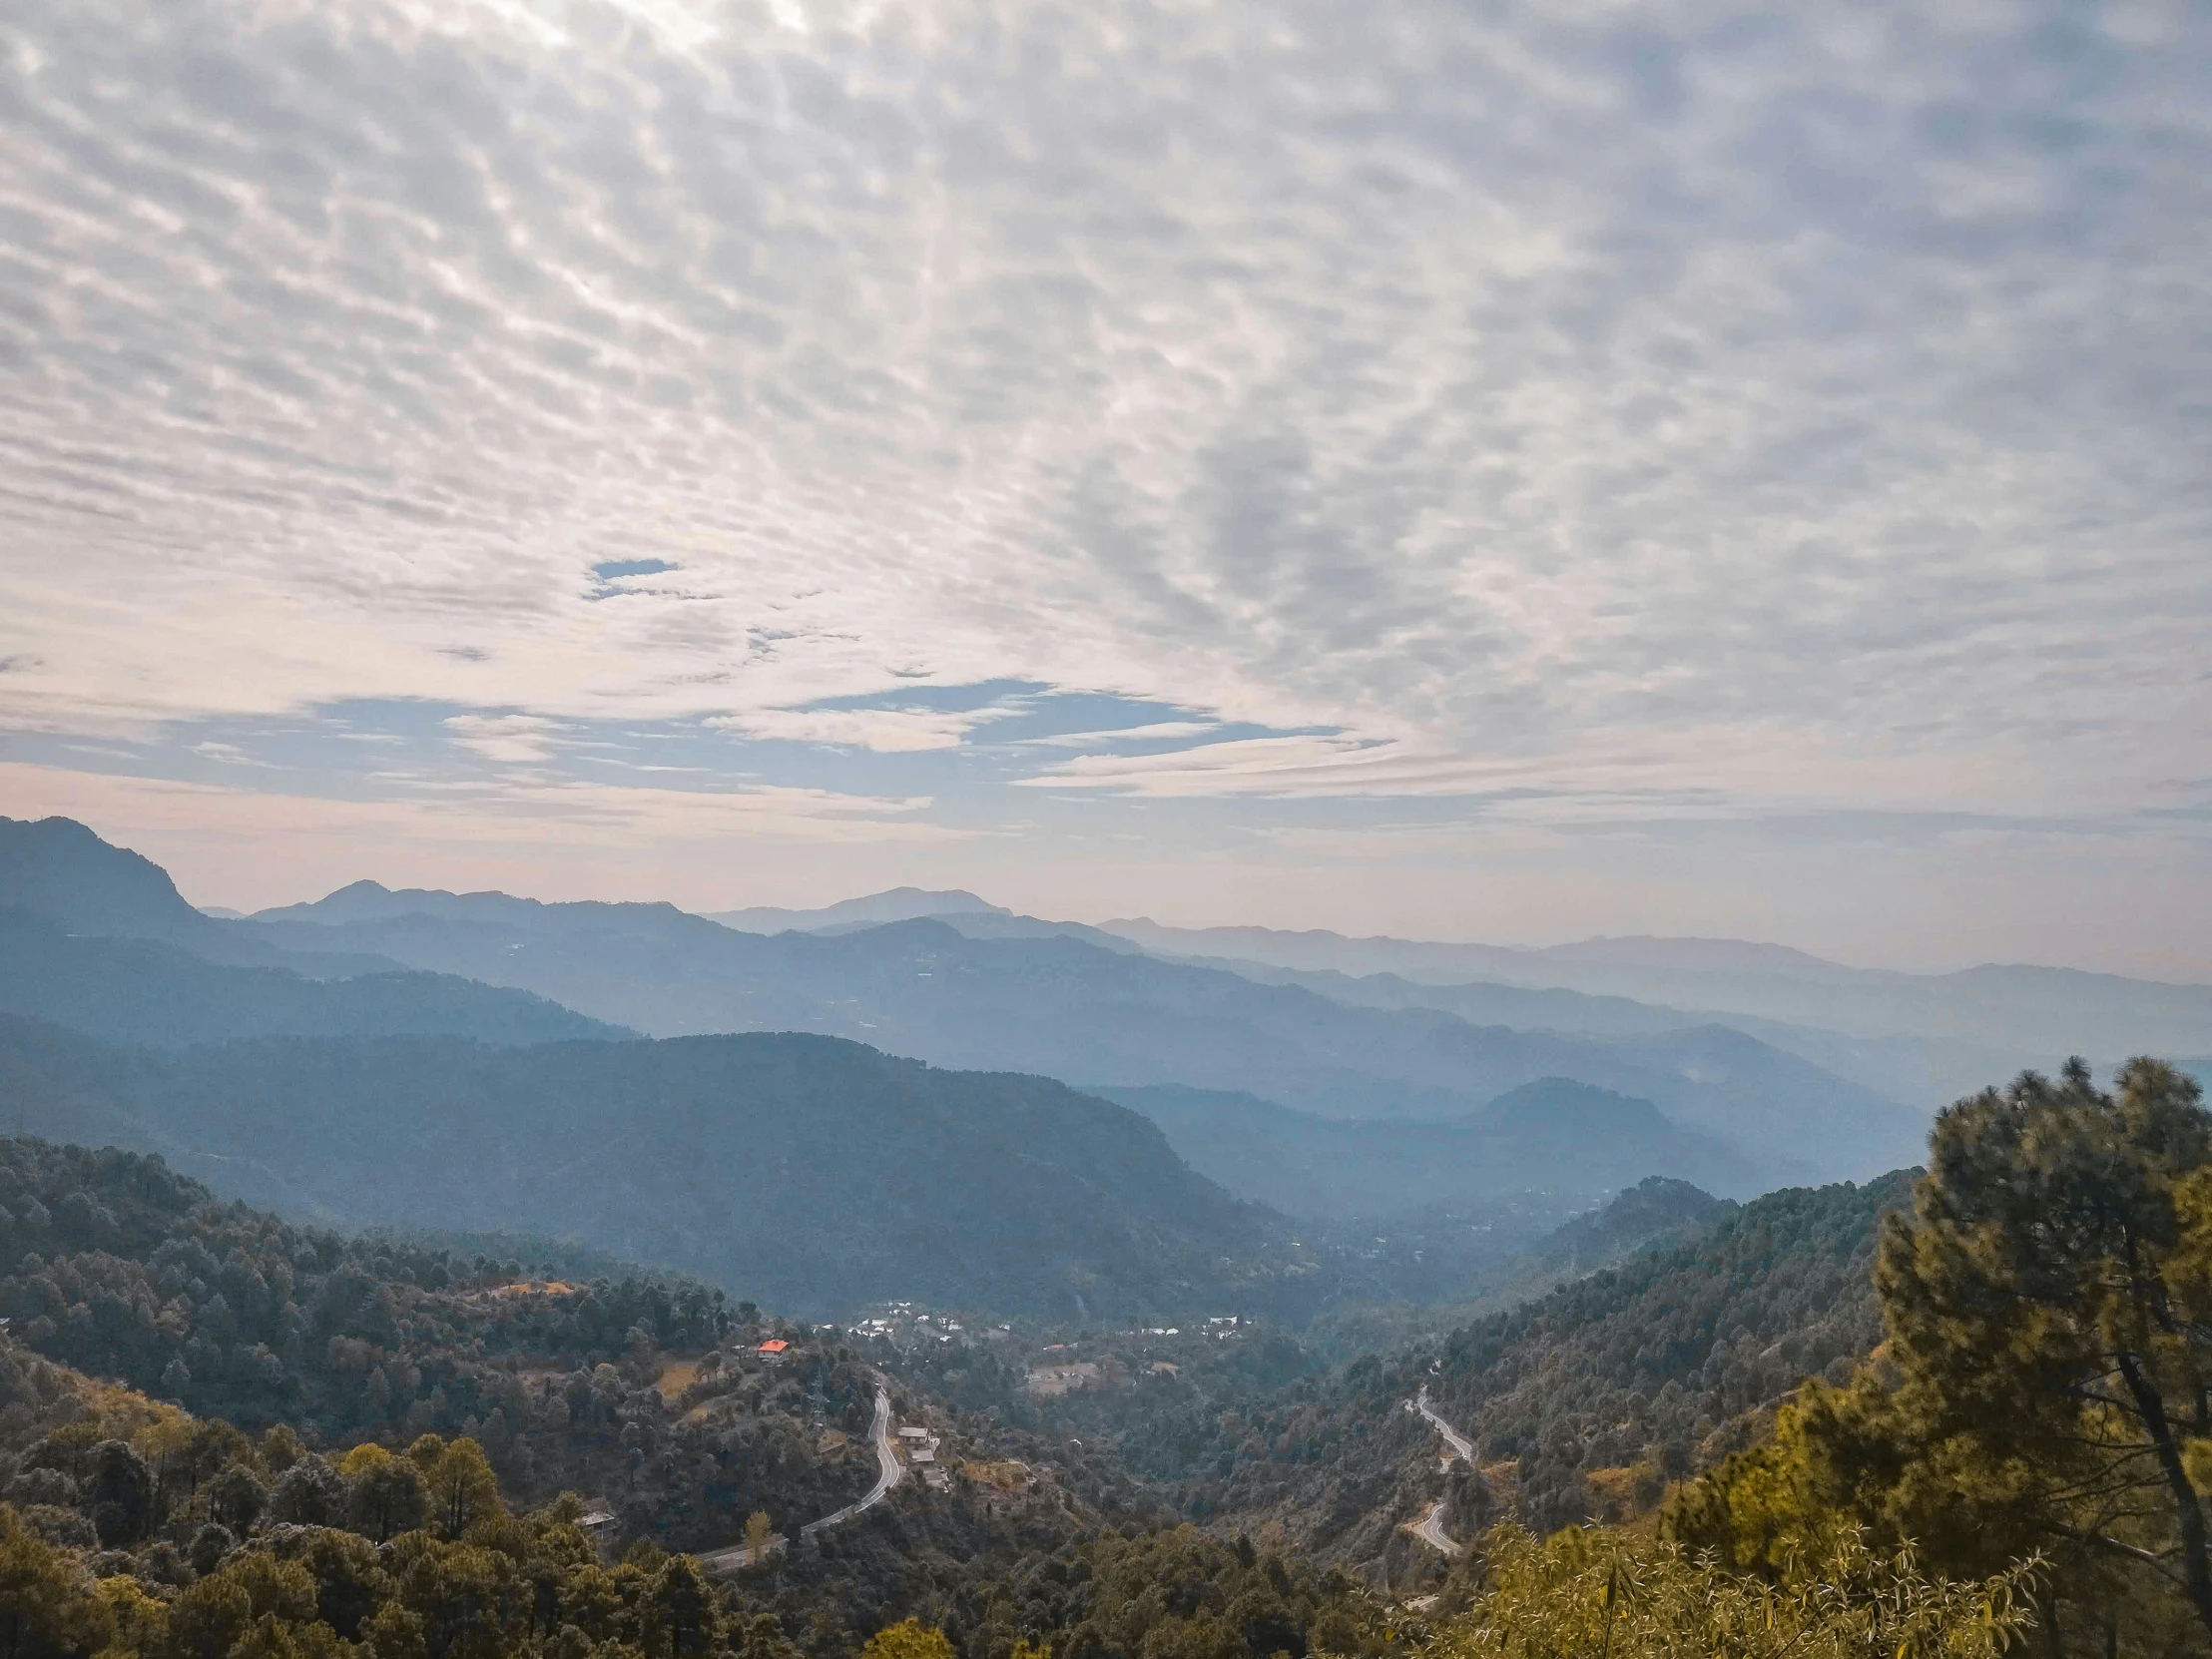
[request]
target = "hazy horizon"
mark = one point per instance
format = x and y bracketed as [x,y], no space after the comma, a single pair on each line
[1444,473]
[1101,919]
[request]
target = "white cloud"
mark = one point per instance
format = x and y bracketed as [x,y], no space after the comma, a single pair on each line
[226,753]
[1647,405]
[883,730]
[1253,766]
[1157,732]
[505,740]
[513,813]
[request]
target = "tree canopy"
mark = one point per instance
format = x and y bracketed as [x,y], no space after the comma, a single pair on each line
[2046,1383]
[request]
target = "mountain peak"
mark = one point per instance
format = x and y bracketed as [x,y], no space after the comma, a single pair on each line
[59,868]
[1562,1107]
[363,888]
[1680,952]
[871,909]
[373,901]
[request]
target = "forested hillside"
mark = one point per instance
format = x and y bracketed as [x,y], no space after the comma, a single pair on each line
[1655,1211]
[1583,1404]
[1063,1007]
[360,1410]
[1642,1372]
[125,1270]
[154,992]
[1551,1135]
[1736,1357]
[816,1175]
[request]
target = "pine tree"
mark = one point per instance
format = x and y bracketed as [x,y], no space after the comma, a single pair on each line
[2047,1389]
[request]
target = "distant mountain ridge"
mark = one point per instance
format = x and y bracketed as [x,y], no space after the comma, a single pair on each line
[1902,1069]
[868,910]
[816,1175]
[1976,1024]
[1923,1039]
[372,901]
[150,992]
[58,870]
[1551,1135]
[1059,1006]
[97,938]
[1026,997]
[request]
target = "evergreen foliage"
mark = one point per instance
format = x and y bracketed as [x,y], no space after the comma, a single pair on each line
[133,1271]
[2044,1388]
[1889,1432]
[1583,1404]
[1625,1596]
[156,994]
[819,1174]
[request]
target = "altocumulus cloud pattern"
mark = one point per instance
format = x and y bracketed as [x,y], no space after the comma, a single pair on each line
[1663,407]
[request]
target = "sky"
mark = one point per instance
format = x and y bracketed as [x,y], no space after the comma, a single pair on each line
[1462,470]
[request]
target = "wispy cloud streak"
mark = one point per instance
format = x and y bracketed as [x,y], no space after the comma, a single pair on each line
[1413,400]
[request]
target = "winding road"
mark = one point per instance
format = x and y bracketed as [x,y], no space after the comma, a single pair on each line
[1462,1448]
[890,1469]
[890,1472]
[1430,1529]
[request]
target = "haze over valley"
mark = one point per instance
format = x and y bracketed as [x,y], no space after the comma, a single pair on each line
[1041,1190]
[1312,1097]
[1146,830]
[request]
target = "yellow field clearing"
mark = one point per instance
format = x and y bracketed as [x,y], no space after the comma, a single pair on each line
[677,1377]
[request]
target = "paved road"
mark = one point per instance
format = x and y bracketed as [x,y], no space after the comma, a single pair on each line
[892,1471]
[1461,1446]
[1430,1529]
[889,1471]
[741,1557]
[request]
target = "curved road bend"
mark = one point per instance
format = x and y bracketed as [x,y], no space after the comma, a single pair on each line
[1462,1448]
[1430,1529]
[889,1471]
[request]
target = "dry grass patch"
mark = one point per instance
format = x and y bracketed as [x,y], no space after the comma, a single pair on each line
[675,1378]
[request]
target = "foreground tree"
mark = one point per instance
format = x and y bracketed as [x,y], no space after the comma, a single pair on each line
[2044,1389]
[43,1608]
[760,1539]
[2052,1318]
[390,1495]
[1617,1594]
[909,1639]
[458,1481]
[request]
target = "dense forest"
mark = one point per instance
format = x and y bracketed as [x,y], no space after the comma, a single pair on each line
[1928,1414]
[1939,1456]
[128,1271]
[152,993]
[1644,1372]
[821,1174]
[1991,1373]
[1586,1400]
